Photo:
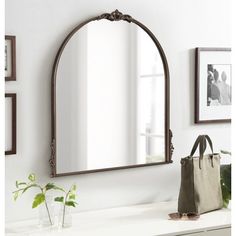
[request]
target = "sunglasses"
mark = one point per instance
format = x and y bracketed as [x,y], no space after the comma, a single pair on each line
[184,216]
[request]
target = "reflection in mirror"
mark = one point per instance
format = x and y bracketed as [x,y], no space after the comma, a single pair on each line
[110,99]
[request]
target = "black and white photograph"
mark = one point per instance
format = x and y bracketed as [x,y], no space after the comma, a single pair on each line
[213,85]
[218,85]
[10,58]
[6,58]
[10,123]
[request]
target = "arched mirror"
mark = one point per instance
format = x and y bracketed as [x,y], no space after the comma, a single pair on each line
[110,98]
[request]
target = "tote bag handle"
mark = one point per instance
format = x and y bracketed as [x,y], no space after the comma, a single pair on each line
[201,142]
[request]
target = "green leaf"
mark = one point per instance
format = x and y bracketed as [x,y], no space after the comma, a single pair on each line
[29,186]
[38,199]
[226,203]
[18,184]
[49,186]
[53,186]
[15,195]
[59,199]
[73,188]
[58,188]
[226,194]
[72,196]
[225,173]
[32,177]
[225,152]
[71,203]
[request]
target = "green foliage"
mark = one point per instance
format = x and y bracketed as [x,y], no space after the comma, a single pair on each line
[18,184]
[70,197]
[49,186]
[225,152]
[73,188]
[226,183]
[226,195]
[59,199]
[38,199]
[71,203]
[53,186]
[69,200]
[225,174]
[32,177]
[22,187]
[15,195]
[28,187]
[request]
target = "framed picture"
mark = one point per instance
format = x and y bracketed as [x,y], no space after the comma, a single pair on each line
[10,123]
[213,85]
[10,58]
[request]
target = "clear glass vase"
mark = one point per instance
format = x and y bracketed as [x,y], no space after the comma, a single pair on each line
[65,217]
[46,212]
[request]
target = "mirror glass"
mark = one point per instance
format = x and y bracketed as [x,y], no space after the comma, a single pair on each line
[110,99]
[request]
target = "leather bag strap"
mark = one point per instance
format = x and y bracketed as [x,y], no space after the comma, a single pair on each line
[195,145]
[201,142]
[201,139]
[210,142]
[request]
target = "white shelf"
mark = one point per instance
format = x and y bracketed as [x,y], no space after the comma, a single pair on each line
[138,220]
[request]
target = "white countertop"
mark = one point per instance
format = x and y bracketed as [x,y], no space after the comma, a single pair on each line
[138,220]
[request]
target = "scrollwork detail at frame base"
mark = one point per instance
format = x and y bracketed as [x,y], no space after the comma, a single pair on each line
[171,144]
[53,153]
[53,158]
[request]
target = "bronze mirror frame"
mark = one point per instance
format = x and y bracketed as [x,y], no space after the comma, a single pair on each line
[114,16]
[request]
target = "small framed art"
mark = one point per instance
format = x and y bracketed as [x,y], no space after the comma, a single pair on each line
[10,58]
[213,85]
[10,123]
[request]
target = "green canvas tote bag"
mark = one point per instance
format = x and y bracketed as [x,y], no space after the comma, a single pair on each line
[200,189]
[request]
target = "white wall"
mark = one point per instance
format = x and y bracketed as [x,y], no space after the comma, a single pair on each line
[40,27]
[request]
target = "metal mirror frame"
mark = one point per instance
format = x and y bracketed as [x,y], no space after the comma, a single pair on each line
[114,16]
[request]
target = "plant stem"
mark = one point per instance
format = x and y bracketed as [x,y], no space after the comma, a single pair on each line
[46,205]
[64,210]
[28,186]
[45,202]
[63,219]
[20,189]
[48,212]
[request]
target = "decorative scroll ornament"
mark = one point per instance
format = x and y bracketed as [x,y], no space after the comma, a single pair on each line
[171,145]
[115,16]
[53,158]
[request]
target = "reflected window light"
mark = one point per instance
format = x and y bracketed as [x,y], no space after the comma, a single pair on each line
[150,100]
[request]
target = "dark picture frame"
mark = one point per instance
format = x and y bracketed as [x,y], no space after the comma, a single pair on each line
[12,96]
[10,58]
[212,67]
